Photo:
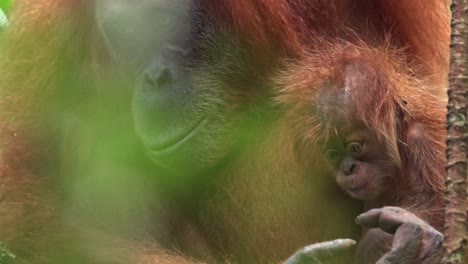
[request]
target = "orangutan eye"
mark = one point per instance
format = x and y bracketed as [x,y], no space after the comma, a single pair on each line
[332,155]
[354,148]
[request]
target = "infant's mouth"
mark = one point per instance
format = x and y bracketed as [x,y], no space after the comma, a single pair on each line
[358,188]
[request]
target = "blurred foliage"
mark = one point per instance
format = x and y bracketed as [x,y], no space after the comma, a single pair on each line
[4,9]
[5,255]
[3,20]
[5,5]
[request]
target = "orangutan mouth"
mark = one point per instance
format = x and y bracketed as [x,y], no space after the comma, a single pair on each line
[179,139]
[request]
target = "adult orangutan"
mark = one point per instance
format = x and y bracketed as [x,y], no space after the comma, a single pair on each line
[147,132]
[72,161]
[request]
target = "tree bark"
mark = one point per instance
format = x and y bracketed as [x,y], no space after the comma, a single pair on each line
[457,138]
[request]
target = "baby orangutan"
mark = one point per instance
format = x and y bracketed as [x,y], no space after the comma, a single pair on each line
[381,129]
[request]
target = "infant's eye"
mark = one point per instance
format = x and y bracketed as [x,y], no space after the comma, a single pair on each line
[354,148]
[332,155]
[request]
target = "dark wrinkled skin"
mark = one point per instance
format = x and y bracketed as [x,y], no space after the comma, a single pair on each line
[412,240]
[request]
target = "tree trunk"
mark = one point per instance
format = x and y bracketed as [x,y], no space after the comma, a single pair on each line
[457,138]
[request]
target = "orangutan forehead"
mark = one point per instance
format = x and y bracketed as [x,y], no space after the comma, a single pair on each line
[334,105]
[360,79]
[348,90]
[134,29]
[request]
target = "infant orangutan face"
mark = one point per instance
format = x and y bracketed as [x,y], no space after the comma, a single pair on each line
[360,162]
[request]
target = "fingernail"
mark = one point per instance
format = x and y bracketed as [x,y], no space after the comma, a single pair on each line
[356,220]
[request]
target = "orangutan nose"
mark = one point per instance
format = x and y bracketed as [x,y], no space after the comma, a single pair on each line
[348,167]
